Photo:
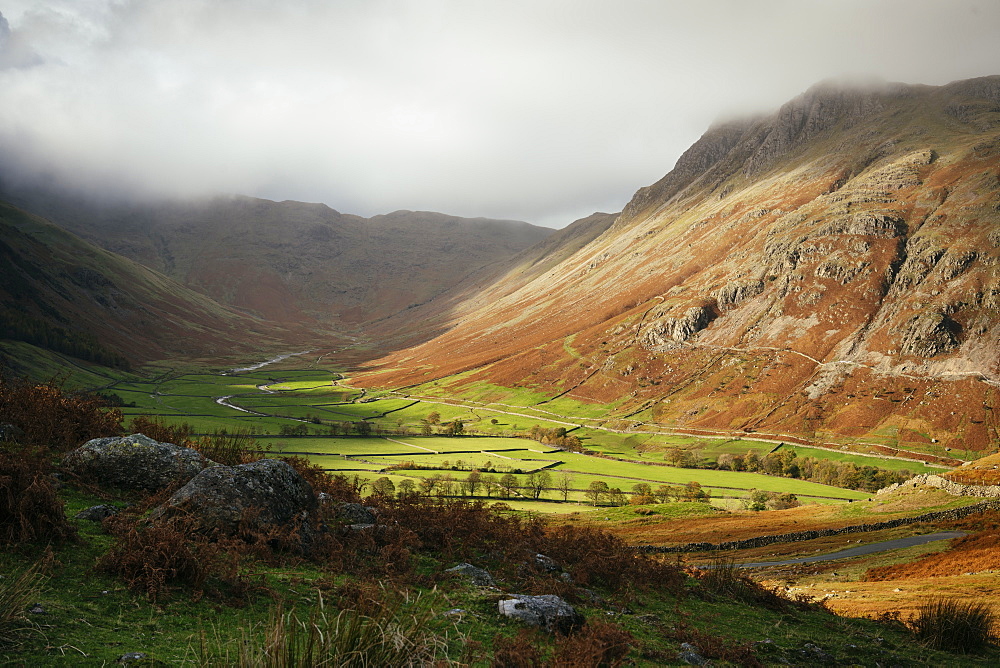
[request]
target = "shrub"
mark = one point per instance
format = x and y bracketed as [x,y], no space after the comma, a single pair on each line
[30,510]
[952,624]
[597,643]
[724,579]
[519,651]
[233,449]
[154,558]
[714,646]
[54,419]
[595,557]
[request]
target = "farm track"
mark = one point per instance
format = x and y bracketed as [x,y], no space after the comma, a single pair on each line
[862,550]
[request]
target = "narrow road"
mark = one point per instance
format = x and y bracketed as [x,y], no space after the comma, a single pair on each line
[871,548]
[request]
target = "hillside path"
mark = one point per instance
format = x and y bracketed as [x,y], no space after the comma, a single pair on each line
[871,548]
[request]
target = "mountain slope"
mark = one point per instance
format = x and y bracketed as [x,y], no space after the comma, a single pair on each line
[65,294]
[828,271]
[293,261]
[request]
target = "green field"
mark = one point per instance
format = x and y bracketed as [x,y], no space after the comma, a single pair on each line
[305,412]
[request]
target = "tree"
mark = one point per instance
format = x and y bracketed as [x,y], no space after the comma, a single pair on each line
[446,485]
[642,494]
[565,484]
[508,482]
[537,482]
[694,492]
[425,428]
[433,417]
[407,487]
[663,493]
[781,501]
[616,497]
[428,484]
[597,490]
[757,500]
[489,484]
[363,428]
[384,487]
[454,428]
[473,482]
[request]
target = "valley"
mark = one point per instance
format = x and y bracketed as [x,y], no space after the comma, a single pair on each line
[785,349]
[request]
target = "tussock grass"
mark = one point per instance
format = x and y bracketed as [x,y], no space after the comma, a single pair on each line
[401,633]
[17,591]
[953,624]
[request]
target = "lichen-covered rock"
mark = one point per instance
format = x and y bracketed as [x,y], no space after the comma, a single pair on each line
[479,576]
[135,462]
[253,496]
[97,513]
[10,432]
[548,612]
[547,563]
[355,514]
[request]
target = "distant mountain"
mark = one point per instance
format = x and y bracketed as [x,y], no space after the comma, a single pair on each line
[831,270]
[292,261]
[62,293]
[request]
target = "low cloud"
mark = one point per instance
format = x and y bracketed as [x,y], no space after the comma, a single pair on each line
[538,111]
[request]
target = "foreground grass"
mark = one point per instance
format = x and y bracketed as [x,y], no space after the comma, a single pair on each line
[93,619]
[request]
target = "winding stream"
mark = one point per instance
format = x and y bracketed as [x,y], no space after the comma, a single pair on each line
[259,365]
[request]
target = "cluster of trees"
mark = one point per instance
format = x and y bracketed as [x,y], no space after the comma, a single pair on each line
[761,500]
[19,326]
[454,428]
[478,483]
[459,465]
[788,464]
[556,437]
[643,494]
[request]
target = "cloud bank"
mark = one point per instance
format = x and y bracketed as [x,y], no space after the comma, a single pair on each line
[540,111]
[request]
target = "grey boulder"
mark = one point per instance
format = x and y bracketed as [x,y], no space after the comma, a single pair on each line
[548,612]
[256,496]
[478,576]
[97,513]
[135,462]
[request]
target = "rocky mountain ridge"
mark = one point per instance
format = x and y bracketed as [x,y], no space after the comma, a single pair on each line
[829,270]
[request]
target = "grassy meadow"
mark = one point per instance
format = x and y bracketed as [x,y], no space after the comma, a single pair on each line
[314,414]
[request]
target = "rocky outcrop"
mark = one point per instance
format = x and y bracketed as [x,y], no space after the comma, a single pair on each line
[868,223]
[547,612]
[929,334]
[731,294]
[950,486]
[135,462]
[677,329]
[255,496]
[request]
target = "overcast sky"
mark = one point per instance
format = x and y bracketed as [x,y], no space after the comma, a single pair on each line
[536,110]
